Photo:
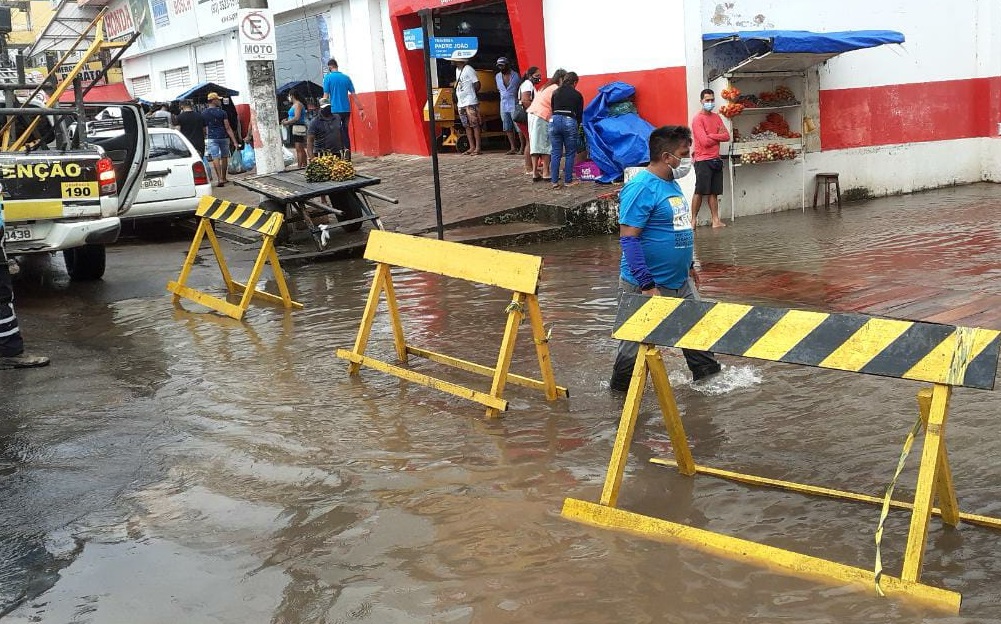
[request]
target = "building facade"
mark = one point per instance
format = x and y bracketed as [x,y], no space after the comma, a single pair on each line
[931,106]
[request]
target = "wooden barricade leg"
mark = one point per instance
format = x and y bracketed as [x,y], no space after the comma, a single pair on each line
[276,267]
[627,425]
[927,482]
[189,261]
[368,316]
[945,494]
[394,318]
[250,288]
[515,313]
[542,347]
[669,409]
[217,249]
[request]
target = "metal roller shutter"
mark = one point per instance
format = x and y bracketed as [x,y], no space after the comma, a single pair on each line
[214,71]
[141,85]
[176,78]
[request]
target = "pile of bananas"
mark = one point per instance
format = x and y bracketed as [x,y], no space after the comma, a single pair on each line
[329,167]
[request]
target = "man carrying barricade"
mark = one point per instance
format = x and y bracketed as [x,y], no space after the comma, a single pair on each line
[655,231]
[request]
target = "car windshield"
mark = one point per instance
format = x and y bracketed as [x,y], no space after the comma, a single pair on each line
[167,146]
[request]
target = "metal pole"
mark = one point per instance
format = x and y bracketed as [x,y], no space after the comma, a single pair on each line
[261,81]
[432,138]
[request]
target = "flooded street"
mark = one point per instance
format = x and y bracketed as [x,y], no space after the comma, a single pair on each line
[177,466]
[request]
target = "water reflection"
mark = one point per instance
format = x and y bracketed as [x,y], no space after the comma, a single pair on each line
[232,471]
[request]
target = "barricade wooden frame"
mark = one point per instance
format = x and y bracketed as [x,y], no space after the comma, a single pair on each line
[945,355]
[268,224]
[512,271]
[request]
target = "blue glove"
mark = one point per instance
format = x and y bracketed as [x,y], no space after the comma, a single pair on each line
[632,249]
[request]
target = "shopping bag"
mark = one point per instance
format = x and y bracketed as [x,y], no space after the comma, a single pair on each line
[208,167]
[249,157]
[288,157]
[236,162]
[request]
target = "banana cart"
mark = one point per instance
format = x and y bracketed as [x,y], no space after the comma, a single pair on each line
[290,193]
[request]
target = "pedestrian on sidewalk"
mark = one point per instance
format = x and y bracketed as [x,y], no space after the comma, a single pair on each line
[338,88]
[12,354]
[296,127]
[526,93]
[192,126]
[508,83]
[657,241]
[218,135]
[539,114]
[709,131]
[467,89]
[568,110]
[324,134]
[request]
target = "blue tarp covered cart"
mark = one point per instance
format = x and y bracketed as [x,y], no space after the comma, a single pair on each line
[615,141]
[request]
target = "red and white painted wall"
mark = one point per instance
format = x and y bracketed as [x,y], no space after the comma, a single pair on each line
[892,119]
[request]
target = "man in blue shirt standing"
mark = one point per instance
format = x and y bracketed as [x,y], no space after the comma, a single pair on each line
[12,353]
[218,134]
[655,231]
[336,87]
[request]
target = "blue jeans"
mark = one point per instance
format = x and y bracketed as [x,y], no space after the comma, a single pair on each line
[563,136]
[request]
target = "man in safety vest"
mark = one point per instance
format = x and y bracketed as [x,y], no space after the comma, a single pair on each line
[12,353]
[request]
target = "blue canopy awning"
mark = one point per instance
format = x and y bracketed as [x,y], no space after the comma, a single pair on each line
[785,50]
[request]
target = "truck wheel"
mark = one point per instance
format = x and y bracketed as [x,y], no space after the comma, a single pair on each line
[85,263]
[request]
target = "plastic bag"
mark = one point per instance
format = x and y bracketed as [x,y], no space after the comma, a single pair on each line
[208,167]
[236,162]
[288,157]
[249,157]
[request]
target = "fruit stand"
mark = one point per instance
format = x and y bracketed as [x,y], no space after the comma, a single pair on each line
[295,194]
[765,123]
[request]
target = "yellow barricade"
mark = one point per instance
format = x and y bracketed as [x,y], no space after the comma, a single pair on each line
[508,270]
[268,224]
[944,355]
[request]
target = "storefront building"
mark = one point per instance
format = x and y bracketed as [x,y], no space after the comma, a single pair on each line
[889,119]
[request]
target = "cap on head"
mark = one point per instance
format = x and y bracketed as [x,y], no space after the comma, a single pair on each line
[324,103]
[502,61]
[213,96]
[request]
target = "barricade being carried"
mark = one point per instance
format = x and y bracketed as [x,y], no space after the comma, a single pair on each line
[266,223]
[516,272]
[944,355]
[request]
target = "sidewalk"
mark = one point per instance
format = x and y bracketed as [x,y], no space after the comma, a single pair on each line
[488,191]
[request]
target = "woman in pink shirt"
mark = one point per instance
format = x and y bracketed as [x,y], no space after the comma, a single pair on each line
[539,114]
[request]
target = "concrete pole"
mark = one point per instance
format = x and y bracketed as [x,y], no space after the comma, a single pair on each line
[261,81]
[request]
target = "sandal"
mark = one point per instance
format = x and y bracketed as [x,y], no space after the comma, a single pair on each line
[538,178]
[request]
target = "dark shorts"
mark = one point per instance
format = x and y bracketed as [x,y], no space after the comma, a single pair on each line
[707,180]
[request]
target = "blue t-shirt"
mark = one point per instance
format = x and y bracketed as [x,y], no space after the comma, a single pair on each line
[338,85]
[659,208]
[215,120]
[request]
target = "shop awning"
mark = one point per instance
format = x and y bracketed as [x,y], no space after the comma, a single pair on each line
[114,92]
[197,93]
[779,51]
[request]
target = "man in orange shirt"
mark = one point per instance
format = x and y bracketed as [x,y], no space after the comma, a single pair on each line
[708,131]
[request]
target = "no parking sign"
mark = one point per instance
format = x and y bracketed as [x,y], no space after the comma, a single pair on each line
[257,35]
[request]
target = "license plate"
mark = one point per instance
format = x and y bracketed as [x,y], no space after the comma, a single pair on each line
[18,233]
[153,183]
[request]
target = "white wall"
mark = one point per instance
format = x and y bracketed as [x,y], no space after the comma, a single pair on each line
[959,40]
[646,34]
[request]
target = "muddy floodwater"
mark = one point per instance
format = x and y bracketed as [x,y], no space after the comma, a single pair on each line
[176,466]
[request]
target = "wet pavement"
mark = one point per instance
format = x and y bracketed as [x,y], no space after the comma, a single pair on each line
[175,466]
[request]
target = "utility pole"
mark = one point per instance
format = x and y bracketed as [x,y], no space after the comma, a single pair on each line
[261,81]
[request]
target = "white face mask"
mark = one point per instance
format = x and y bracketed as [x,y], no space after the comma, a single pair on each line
[684,168]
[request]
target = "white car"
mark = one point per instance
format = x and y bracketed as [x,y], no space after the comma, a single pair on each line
[175,179]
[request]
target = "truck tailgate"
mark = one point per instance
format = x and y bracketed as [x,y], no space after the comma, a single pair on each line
[50,185]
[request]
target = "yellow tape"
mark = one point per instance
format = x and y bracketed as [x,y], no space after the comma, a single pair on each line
[908,443]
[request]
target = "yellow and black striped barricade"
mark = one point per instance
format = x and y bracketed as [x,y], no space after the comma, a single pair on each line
[266,223]
[943,355]
[516,272]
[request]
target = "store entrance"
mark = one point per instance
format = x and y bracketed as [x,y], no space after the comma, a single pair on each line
[488,22]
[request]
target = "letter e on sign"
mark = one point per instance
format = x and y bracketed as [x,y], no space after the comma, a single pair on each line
[257,35]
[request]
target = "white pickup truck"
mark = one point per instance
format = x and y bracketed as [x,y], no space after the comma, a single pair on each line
[57,198]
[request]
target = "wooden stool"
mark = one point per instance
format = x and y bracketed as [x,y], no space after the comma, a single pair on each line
[827,179]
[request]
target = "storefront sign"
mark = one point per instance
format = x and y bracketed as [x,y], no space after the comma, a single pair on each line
[161,17]
[454,47]
[413,39]
[118,22]
[257,35]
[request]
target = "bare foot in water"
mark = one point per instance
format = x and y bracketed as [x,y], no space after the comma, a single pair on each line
[719,224]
